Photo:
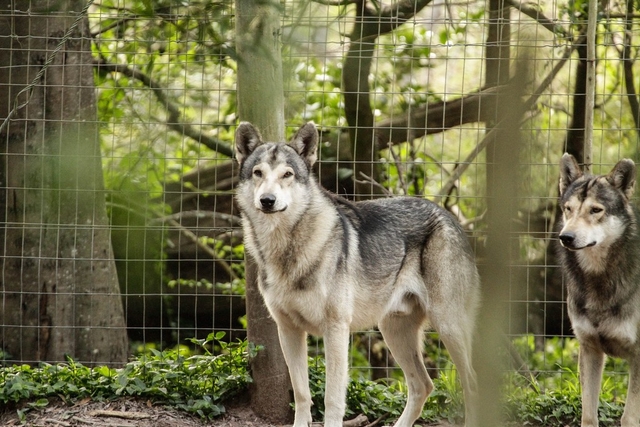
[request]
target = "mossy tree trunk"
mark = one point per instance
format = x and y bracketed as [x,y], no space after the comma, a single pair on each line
[60,294]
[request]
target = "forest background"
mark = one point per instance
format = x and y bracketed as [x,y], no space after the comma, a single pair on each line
[409,98]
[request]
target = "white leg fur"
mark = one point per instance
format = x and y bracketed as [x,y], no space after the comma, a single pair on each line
[631,415]
[458,342]
[591,363]
[336,344]
[294,347]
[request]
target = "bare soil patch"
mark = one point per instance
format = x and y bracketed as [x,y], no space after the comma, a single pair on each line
[129,412]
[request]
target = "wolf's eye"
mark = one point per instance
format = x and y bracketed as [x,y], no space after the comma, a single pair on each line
[257,173]
[567,209]
[287,174]
[596,210]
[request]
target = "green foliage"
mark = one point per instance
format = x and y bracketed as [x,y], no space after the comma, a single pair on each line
[387,398]
[200,382]
[533,405]
[171,45]
[552,408]
[233,256]
[549,395]
[197,383]
[555,363]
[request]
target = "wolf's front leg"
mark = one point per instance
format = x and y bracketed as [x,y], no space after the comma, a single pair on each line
[591,365]
[336,348]
[631,415]
[293,341]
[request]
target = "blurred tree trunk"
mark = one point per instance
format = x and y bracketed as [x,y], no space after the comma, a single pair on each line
[60,293]
[502,156]
[497,60]
[552,316]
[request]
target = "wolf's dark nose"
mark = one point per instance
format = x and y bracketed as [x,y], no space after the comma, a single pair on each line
[267,200]
[567,238]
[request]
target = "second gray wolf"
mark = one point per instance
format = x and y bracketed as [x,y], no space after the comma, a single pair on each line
[328,267]
[600,259]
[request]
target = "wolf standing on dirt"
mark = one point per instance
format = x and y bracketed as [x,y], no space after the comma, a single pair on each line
[601,265]
[327,267]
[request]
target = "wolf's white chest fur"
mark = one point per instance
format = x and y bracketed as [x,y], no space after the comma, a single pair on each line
[625,331]
[611,332]
[593,260]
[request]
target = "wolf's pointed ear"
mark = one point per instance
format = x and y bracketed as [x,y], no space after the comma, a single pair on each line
[569,171]
[305,142]
[247,139]
[623,176]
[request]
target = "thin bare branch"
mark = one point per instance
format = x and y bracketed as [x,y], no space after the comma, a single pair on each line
[633,16]
[335,3]
[537,15]
[377,420]
[435,117]
[233,220]
[489,137]
[366,179]
[174,121]
[397,14]
[113,25]
[358,421]
[398,164]
[194,238]
[468,223]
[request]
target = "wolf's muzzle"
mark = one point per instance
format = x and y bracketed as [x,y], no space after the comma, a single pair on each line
[268,204]
[267,201]
[568,240]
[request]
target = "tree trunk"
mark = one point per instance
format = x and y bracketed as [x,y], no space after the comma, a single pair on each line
[628,62]
[59,282]
[261,102]
[575,134]
[357,65]
[368,25]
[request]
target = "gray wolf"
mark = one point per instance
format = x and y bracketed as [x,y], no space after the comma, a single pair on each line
[600,259]
[327,267]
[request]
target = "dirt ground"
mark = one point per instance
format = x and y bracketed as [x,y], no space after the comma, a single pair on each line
[128,412]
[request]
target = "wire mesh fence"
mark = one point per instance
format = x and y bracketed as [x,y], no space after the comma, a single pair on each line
[406,96]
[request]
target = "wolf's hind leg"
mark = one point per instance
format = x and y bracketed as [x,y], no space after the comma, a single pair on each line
[631,415]
[403,335]
[455,331]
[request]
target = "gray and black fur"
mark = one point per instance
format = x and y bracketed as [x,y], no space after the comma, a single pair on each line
[328,267]
[600,259]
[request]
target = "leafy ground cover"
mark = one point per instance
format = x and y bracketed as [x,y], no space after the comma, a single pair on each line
[181,388]
[195,383]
